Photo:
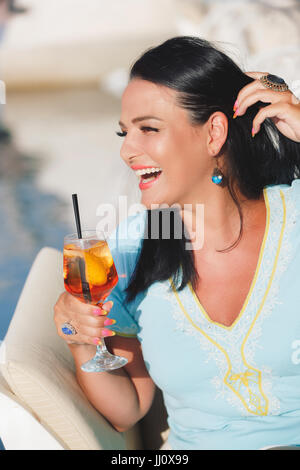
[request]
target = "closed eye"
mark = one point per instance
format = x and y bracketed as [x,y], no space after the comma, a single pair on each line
[143,128]
[121,134]
[148,129]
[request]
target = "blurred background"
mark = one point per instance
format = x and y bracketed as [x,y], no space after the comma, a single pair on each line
[64,64]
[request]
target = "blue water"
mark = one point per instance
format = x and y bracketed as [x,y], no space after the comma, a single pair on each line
[29,220]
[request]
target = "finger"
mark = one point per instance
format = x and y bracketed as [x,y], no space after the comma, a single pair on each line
[90,325]
[85,334]
[93,321]
[257,85]
[246,91]
[96,332]
[77,307]
[256,75]
[83,320]
[99,310]
[77,338]
[106,306]
[263,95]
[278,110]
[98,328]
[88,334]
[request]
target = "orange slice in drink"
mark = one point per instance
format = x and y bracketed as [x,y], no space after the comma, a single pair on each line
[94,269]
[71,250]
[102,251]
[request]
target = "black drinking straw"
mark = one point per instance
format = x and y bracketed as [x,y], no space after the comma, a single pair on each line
[85,285]
[77,217]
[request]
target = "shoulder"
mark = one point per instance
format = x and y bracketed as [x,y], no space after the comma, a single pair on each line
[287,195]
[289,190]
[285,204]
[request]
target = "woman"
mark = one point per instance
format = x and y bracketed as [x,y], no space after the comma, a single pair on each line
[214,327]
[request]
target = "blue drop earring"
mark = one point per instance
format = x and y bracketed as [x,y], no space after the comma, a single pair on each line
[218,177]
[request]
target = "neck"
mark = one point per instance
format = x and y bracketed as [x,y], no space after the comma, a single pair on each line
[213,219]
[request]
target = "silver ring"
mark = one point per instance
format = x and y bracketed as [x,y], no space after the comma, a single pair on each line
[274,82]
[68,329]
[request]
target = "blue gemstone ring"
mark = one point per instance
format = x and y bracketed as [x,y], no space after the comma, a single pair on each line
[274,82]
[68,329]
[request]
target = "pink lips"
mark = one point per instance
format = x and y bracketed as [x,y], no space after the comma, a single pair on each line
[145,185]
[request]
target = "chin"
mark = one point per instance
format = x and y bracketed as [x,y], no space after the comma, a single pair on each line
[157,201]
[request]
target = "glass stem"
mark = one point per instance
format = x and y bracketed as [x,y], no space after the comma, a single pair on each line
[101,348]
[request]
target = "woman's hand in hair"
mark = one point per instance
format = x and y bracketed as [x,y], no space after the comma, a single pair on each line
[284,107]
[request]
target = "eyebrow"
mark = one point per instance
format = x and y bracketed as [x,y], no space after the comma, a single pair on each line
[140,118]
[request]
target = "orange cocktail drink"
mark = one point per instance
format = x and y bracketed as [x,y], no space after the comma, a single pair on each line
[89,270]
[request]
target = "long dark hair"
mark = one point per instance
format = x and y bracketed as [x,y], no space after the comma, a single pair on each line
[207,80]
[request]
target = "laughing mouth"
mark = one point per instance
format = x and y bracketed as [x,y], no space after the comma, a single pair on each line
[148,174]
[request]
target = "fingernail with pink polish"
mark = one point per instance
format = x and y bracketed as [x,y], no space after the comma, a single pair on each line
[235,113]
[97,311]
[109,321]
[96,341]
[235,105]
[105,332]
[253,132]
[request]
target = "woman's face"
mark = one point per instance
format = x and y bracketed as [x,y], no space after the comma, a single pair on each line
[157,133]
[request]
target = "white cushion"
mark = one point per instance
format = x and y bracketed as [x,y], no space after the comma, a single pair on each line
[39,369]
[19,429]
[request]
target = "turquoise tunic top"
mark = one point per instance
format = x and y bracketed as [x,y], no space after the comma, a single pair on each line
[234,387]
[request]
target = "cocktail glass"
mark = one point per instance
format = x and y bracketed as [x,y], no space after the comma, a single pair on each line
[90,275]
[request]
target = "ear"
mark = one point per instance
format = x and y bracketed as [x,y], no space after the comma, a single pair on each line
[217,126]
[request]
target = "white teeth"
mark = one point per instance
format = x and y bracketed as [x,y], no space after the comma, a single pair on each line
[147,170]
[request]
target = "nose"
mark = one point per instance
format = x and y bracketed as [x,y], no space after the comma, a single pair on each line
[130,150]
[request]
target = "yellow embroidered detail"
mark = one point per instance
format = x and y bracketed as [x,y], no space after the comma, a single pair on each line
[218,346]
[245,384]
[261,252]
[243,378]
[273,270]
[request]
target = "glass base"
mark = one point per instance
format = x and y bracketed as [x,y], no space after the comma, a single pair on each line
[104,362]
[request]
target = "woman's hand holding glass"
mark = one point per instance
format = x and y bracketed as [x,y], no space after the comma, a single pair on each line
[89,276]
[90,322]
